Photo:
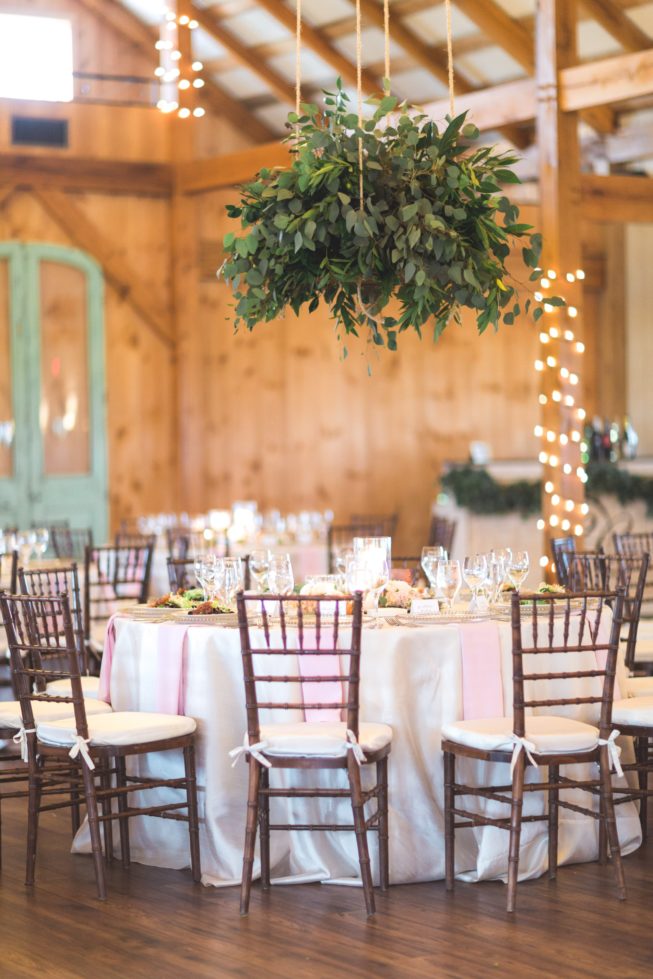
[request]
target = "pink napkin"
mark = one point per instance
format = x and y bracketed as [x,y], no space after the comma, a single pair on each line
[170,678]
[481,658]
[320,692]
[402,574]
[104,691]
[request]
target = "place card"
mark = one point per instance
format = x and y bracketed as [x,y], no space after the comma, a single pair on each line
[424,606]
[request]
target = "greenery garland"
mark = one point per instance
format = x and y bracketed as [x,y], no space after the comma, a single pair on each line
[477,491]
[432,232]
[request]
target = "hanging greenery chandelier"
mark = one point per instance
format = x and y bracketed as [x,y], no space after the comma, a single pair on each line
[393,222]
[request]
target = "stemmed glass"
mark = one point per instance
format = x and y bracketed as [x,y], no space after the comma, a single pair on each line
[280,575]
[431,557]
[518,568]
[475,573]
[259,566]
[342,557]
[231,572]
[448,582]
[369,572]
[496,575]
[202,568]
[41,540]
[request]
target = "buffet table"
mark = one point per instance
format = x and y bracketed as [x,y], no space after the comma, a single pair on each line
[411,679]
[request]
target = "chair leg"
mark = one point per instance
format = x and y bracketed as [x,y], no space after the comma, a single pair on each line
[382,802]
[75,814]
[33,808]
[250,834]
[554,778]
[354,773]
[105,805]
[607,812]
[449,818]
[264,828]
[515,830]
[123,805]
[193,817]
[641,756]
[94,829]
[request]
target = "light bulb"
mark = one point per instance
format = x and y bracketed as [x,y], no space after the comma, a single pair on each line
[548,308]
[176,55]
[582,475]
[159,71]
[162,104]
[192,25]
[569,335]
[544,337]
[581,413]
[571,277]
[554,519]
[555,499]
[548,486]
[569,401]
[198,83]
[539,365]
[556,396]
[564,439]
[580,274]
[553,461]
[584,446]
[170,15]
[538,297]
[572,312]
[542,398]
[575,436]
[569,506]
[566,469]
[573,378]
[199,112]
[184,83]
[550,436]
[565,524]
[551,361]
[543,457]
[183,20]
[578,530]
[197,66]
[544,559]
[554,332]
[184,112]
[540,526]
[580,347]
[552,274]
[584,508]
[564,372]
[545,283]
[538,431]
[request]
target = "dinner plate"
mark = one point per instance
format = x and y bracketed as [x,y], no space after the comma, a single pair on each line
[215,618]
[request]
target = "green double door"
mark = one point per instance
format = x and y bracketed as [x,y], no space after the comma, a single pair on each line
[53,463]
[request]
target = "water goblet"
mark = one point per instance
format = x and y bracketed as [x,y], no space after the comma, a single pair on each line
[202,569]
[280,575]
[259,566]
[518,568]
[496,576]
[474,573]
[448,582]
[41,540]
[431,557]
[232,579]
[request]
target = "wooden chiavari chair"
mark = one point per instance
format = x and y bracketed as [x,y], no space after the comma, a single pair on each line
[127,539]
[562,550]
[94,745]
[178,542]
[341,536]
[544,631]
[308,628]
[441,533]
[70,543]
[44,582]
[114,577]
[8,580]
[388,522]
[181,574]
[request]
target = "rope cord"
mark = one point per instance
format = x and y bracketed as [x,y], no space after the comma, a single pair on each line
[359,91]
[298,61]
[386,32]
[450,57]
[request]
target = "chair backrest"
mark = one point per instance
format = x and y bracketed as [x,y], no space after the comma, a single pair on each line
[8,571]
[340,536]
[181,575]
[277,629]
[44,582]
[70,543]
[388,521]
[634,545]
[178,542]
[607,572]
[34,626]
[129,539]
[562,549]
[408,569]
[549,628]
[441,533]
[113,577]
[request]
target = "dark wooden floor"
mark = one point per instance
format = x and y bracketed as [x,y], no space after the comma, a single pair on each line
[156,923]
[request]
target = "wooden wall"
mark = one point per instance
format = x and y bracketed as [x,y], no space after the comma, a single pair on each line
[639,347]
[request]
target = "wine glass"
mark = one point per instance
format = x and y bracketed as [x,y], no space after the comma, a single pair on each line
[518,568]
[449,581]
[496,575]
[369,572]
[259,566]
[231,570]
[202,571]
[475,573]
[24,546]
[431,557]
[280,576]
[341,559]
[41,540]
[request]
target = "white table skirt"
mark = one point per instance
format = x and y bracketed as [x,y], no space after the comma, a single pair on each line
[411,679]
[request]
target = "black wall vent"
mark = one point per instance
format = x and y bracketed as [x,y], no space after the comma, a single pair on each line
[26,131]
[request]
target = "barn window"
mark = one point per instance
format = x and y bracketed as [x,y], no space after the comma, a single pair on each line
[36,58]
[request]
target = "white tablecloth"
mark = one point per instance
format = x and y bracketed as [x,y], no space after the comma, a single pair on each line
[411,680]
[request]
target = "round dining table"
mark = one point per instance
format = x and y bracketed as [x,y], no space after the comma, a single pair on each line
[416,675]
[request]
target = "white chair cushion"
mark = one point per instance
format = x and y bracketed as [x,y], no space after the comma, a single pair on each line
[640,686]
[633,710]
[549,734]
[10,715]
[90,687]
[321,738]
[119,728]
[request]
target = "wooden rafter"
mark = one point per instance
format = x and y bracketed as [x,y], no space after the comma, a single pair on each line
[617,79]
[81,173]
[86,235]
[617,23]
[244,55]
[112,13]
[319,43]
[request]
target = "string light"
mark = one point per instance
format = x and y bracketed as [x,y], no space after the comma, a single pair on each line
[171,71]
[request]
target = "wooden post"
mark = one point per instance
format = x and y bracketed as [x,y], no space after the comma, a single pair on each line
[560,360]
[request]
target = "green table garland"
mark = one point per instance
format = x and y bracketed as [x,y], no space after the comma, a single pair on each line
[477,491]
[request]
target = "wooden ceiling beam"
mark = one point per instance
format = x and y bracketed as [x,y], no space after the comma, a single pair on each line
[319,43]
[133,30]
[82,173]
[244,55]
[504,30]
[617,79]
[618,199]
[618,24]
[119,273]
[227,171]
